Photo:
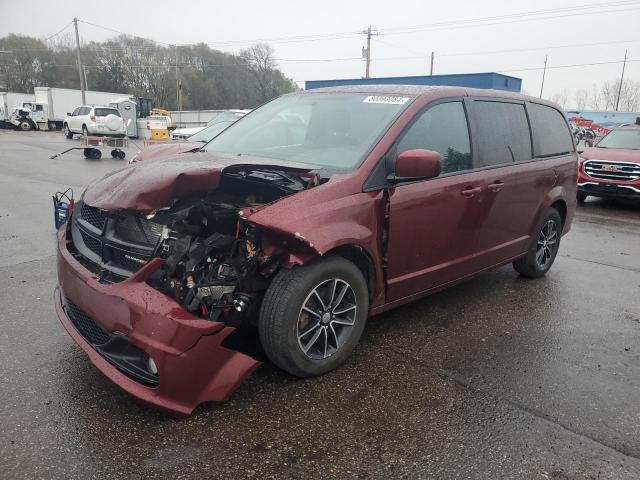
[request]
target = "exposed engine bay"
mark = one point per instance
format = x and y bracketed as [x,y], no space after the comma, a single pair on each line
[213,263]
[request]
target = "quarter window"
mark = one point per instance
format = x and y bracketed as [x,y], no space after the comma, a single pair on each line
[551,134]
[442,128]
[503,133]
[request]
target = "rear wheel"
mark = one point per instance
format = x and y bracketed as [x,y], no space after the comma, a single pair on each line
[67,133]
[312,316]
[544,247]
[581,197]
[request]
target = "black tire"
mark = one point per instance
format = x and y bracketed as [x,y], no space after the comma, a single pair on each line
[121,154]
[114,153]
[281,314]
[96,154]
[581,197]
[85,131]
[67,133]
[529,266]
[25,125]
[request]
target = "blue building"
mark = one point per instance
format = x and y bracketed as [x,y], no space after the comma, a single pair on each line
[472,80]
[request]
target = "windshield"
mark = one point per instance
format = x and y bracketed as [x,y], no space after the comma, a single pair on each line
[628,139]
[334,130]
[206,134]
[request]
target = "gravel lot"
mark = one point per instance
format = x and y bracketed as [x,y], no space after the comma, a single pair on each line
[500,377]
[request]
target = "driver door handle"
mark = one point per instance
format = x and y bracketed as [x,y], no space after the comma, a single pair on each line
[495,186]
[470,191]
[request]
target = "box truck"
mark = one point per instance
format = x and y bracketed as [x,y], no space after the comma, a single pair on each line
[51,106]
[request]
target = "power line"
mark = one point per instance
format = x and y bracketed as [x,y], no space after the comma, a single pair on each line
[56,34]
[170,66]
[598,8]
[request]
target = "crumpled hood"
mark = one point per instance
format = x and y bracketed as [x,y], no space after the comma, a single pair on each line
[611,154]
[156,183]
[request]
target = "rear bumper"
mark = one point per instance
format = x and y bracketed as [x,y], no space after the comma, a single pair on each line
[193,366]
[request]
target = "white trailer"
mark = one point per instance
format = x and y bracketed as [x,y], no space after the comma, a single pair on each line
[9,100]
[51,106]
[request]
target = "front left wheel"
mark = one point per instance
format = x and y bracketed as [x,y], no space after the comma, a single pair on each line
[312,316]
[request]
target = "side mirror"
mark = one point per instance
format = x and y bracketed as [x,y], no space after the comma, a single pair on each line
[416,165]
[68,114]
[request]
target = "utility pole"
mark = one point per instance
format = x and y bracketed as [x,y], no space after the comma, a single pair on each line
[544,71]
[431,69]
[366,52]
[624,64]
[82,85]
[84,70]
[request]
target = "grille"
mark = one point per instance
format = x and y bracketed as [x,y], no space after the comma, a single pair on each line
[126,260]
[612,170]
[92,243]
[125,242]
[94,216]
[88,328]
[138,230]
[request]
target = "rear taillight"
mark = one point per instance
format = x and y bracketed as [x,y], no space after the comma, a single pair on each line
[92,118]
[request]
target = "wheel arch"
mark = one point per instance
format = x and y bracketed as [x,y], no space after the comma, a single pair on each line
[361,259]
[561,206]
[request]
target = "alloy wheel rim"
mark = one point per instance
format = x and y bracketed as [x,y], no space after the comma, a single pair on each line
[326,318]
[547,241]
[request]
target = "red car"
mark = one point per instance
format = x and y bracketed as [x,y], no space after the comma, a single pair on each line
[310,214]
[612,167]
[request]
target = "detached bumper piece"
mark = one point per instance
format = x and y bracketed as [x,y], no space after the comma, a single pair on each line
[115,348]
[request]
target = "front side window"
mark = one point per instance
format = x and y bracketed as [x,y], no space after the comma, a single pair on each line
[331,130]
[76,112]
[503,133]
[442,128]
[627,139]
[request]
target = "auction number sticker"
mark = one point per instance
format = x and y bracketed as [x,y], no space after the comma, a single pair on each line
[389,100]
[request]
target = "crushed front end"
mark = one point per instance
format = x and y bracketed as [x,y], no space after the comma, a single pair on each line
[155,298]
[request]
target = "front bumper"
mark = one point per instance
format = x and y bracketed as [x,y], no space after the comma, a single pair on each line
[192,364]
[602,189]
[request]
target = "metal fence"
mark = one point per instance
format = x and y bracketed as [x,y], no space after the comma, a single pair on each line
[193,118]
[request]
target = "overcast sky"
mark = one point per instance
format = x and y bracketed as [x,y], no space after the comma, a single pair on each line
[232,25]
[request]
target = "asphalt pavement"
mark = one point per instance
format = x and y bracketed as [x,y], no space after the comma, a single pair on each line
[499,377]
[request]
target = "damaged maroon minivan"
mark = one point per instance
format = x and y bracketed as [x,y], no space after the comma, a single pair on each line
[305,217]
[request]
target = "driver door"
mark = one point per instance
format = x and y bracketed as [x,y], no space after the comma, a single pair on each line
[434,224]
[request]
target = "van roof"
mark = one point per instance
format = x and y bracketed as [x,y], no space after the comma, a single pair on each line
[426,90]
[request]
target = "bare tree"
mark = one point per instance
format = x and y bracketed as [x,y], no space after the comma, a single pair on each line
[260,61]
[581,99]
[605,95]
[561,97]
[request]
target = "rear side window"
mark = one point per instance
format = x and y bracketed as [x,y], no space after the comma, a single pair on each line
[503,133]
[103,112]
[442,128]
[551,135]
